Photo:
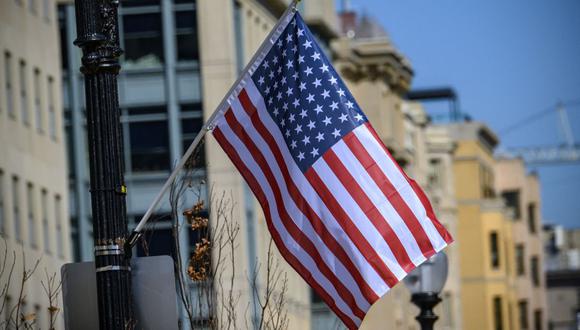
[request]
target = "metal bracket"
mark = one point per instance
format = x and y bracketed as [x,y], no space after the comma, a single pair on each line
[107,250]
[113,268]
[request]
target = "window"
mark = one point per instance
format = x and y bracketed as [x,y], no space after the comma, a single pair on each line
[23,98]
[45,229]
[37,105]
[16,208]
[149,152]
[32,6]
[532,217]
[189,129]
[51,110]
[2,229]
[62,29]
[487,182]
[512,200]
[535,271]
[139,3]
[46,9]
[538,322]
[520,259]
[58,223]
[143,40]
[523,314]
[497,313]
[30,206]
[186,35]
[494,249]
[8,82]
[435,173]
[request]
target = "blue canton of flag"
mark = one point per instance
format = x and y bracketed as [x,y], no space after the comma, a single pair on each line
[305,96]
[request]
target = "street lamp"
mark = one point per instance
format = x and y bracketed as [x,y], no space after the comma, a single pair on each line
[425,283]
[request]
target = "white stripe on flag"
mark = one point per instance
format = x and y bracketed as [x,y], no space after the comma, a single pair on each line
[362,221]
[379,201]
[287,239]
[400,183]
[310,195]
[295,214]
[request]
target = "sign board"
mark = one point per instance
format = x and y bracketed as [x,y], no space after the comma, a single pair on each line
[154,294]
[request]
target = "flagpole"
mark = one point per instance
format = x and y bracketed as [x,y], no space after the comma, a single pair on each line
[209,125]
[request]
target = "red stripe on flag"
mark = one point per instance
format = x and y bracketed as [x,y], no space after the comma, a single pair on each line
[418,191]
[302,204]
[291,227]
[369,209]
[350,228]
[390,193]
[290,258]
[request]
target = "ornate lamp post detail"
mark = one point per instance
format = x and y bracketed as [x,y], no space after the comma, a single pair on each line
[97,36]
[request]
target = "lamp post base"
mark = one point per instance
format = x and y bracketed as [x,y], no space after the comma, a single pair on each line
[426,302]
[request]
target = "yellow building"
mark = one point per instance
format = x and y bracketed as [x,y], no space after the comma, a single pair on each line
[521,193]
[484,232]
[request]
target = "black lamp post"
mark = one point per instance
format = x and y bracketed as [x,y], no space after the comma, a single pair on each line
[97,36]
[425,283]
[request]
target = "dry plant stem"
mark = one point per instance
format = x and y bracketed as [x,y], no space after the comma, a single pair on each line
[52,290]
[217,299]
[6,286]
[273,314]
[174,198]
[26,274]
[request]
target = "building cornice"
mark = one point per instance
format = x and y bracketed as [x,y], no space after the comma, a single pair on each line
[373,59]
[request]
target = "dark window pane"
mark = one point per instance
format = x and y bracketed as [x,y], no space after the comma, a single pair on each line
[63,40]
[520,259]
[532,217]
[157,242]
[523,311]
[147,110]
[497,313]
[139,3]
[315,298]
[494,249]
[186,34]
[185,1]
[512,200]
[538,319]
[149,146]
[143,40]
[535,268]
[189,130]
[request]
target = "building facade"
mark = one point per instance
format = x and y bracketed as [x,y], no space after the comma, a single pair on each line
[181,57]
[562,257]
[33,187]
[521,194]
[484,231]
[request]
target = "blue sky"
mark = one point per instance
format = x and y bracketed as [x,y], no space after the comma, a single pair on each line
[507,60]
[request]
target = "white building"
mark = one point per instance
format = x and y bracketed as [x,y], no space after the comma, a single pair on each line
[33,187]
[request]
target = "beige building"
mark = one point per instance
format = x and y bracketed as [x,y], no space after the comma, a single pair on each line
[33,185]
[521,194]
[230,33]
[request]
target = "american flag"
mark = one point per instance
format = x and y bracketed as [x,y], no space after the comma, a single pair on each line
[339,208]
